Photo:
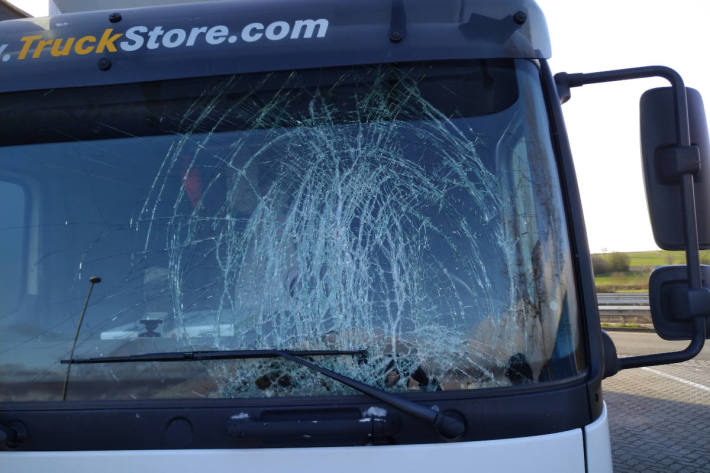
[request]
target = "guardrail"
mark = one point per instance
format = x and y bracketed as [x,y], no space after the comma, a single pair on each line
[624,308]
[623,298]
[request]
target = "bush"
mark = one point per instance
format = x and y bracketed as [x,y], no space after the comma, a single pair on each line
[600,265]
[619,262]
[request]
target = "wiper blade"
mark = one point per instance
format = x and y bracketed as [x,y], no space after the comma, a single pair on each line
[210,355]
[449,426]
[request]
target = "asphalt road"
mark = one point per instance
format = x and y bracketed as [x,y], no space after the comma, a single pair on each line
[659,416]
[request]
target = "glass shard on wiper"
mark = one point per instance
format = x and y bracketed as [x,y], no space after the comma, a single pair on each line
[210,355]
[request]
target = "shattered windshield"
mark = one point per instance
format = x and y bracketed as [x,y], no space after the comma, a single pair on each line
[411,212]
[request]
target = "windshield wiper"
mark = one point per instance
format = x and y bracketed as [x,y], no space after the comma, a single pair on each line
[449,426]
[209,355]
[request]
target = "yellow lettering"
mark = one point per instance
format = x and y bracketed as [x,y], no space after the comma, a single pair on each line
[40,47]
[27,40]
[58,44]
[106,41]
[79,47]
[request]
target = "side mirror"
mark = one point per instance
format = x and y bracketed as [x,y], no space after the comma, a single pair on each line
[664,163]
[674,306]
[674,141]
[676,165]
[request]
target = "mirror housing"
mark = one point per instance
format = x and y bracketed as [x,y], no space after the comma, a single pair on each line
[674,305]
[664,163]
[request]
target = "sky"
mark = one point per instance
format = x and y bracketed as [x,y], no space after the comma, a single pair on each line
[603,120]
[33,7]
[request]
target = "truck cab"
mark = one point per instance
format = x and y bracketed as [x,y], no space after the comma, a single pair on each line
[303,235]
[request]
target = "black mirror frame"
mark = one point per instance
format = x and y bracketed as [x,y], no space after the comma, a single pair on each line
[665,162]
[674,306]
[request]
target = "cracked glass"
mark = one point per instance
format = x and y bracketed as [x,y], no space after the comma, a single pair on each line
[412,211]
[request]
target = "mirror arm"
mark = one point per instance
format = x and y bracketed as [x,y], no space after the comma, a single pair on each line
[565,82]
[672,357]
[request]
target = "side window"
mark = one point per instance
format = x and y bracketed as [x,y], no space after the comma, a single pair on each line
[13,226]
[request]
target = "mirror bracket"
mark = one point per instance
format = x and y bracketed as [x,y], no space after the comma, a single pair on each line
[690,303]
[674,161]
[610,358]
[565,82]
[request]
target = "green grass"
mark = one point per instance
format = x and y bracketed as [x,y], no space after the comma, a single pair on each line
[641,264]
[631,281]
[645,259]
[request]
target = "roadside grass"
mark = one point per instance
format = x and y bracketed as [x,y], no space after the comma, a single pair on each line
[639,259]
[641,263]
[630,281]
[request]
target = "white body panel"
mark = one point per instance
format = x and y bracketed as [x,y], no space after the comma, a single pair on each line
[598,443]
[561,452]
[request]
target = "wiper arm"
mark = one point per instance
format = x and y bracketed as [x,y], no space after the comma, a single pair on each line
[449,426]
